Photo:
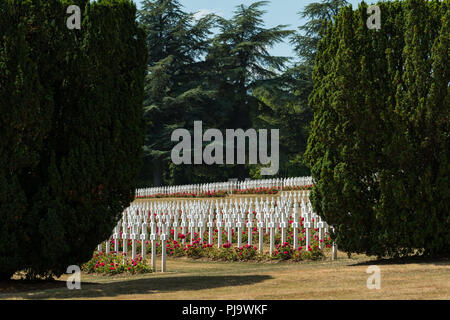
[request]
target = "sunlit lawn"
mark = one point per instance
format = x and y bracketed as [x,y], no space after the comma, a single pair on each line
[344,278]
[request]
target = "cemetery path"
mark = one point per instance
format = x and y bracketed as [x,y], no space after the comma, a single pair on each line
[344,278]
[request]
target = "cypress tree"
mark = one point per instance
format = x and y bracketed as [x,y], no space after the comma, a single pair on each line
[378,148]
[75,99]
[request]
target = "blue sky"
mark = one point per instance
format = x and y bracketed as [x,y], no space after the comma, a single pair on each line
[278,12]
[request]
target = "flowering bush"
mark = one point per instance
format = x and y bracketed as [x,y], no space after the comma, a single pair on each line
[310,253]
[246,252]
[209,194]
[230,253]
[226,253]
[262,190]
[283,251]
[174,249]
[113,264]
[227,245]
[293,188]
[194,250]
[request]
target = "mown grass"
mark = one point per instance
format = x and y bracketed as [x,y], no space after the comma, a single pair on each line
[344,278]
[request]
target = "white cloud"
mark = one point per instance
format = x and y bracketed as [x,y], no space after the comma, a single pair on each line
[204,12]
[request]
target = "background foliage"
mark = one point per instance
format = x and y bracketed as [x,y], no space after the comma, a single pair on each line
[220,71]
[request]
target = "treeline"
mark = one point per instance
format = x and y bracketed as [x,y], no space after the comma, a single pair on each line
[220,71]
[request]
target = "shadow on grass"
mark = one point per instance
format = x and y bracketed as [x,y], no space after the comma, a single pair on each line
[439,261]
[14,286]
[146,286]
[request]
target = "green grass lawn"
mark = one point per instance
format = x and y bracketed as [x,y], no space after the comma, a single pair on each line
[344,278]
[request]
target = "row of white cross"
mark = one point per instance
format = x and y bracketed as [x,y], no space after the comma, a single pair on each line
[226,186]
[153,221]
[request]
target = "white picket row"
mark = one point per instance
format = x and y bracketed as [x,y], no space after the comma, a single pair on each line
[226,186]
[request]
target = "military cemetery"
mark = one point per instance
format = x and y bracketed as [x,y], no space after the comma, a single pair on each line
[224,150]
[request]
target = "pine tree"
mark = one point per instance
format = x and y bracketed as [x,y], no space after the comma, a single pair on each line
[287,98]
[241,58]
[175,92]
[240,62]
[318,14]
